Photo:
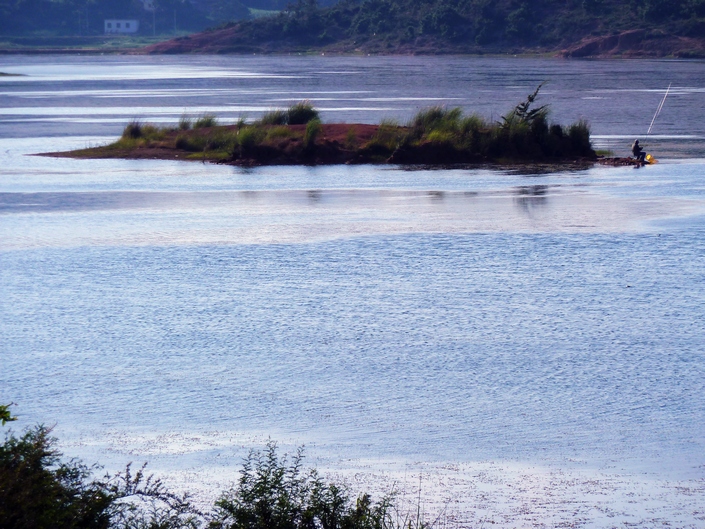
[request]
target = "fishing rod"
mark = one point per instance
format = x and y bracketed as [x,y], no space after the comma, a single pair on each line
[658,110]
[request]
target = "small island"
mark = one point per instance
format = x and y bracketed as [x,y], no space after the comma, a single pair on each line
[296,136]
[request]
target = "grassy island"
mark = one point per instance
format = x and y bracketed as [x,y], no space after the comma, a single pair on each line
[296,136]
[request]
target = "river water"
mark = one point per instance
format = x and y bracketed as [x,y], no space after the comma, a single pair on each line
[526,345]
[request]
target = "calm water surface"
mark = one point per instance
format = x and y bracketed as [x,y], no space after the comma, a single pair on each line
[526,340]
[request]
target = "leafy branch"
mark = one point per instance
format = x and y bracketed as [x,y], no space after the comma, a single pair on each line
[5,415]
[523,113]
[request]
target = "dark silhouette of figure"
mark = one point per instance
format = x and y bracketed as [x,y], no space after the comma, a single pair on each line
[638,152]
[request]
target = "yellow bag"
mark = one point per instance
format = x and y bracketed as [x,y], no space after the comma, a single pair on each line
[651,159]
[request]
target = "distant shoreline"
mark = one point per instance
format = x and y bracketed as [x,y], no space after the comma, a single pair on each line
[633,44]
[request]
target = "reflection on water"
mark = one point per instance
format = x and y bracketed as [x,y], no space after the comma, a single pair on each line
[286,216]
[314,195]
[531,196]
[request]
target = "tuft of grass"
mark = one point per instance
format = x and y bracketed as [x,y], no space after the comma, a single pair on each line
[185,122]
[275,117]
[388,136]
[439,136]
[279,131]
[301,113]
[472,124]
[313,130]
[137,134]
[221,140]
[297,114]
[436,118]
[133,130]
[206,120]
[579,134]
[248,139]
[190,143]
[351,139]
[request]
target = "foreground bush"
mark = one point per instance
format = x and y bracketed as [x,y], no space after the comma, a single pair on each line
[273,493]
[38,490]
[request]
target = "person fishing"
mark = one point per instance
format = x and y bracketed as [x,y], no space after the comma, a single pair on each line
[638,152]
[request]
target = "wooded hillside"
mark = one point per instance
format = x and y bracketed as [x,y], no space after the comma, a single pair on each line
[581,27]
[658,27]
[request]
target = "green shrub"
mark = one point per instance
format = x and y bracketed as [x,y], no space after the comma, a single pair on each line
[301,113]
[206,120]
[273,493]
[247,139]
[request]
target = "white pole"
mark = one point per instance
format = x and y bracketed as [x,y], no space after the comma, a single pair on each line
[658,110]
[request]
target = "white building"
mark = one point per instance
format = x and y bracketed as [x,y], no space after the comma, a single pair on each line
[122,26]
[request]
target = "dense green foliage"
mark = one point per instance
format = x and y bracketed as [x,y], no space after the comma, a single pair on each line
[523,134]
[40,491]
[470,24]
